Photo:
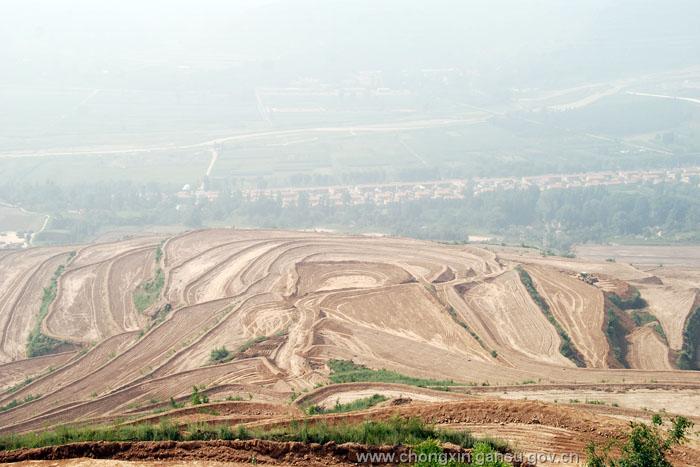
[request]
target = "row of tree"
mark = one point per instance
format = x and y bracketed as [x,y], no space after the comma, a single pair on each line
[552,218]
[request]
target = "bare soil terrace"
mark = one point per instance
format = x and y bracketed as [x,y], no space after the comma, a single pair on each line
[284,303]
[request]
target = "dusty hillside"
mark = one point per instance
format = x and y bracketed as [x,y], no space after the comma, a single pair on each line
[133,324]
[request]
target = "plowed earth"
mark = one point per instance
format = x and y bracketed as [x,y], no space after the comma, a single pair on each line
[284,303]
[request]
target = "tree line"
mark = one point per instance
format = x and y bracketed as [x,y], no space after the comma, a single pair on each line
[555,219]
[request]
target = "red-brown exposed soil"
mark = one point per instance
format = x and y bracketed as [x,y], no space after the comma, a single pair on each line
[248,451]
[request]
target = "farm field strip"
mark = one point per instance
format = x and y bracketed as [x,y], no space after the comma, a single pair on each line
[578,307]
[506,309]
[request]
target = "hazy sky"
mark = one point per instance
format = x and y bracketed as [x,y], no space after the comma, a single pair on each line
[79,42]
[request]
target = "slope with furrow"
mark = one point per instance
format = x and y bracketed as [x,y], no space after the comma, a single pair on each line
[95,301]
[23,277]
[22,311]
[502,308]
[578,307]
[647,350]
[283,303]
[671,303]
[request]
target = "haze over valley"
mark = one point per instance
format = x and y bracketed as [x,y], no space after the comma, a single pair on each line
[303,232]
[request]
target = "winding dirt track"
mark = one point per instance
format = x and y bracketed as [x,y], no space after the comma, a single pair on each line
[283,303]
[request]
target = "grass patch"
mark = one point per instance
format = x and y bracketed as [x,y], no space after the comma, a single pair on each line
[594,402]
[147,293]
[250,343]
[359,404]
[453,314]
[27,381]
[174,404]
[16,403]
[345,371]
[567,347]
[658,329]
[159,252]
[38,343]
[642,317]
[395,431]
[65,435]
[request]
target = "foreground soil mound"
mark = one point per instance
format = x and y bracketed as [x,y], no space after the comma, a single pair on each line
[537,433]
[253,451]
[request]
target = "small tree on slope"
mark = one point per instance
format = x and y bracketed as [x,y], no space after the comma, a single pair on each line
[646,445]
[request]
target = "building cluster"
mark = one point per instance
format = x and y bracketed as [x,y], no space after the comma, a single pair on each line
[389,193]
[363,194]
[588,179]
[200,194]
[13,240]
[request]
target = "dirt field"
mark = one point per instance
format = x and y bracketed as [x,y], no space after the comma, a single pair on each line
[85,462]
[672,401]
[283,303]
[578,307]
[642,254]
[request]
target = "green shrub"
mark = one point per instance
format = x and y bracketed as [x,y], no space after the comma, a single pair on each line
[429,453]
[147,293]
[646,445]
[220,355]
[174,404]
[197,398]
[12,389]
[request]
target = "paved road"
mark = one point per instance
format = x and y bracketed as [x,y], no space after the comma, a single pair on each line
[378,128]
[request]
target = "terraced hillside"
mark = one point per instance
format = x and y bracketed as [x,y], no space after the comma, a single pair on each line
[127,329]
